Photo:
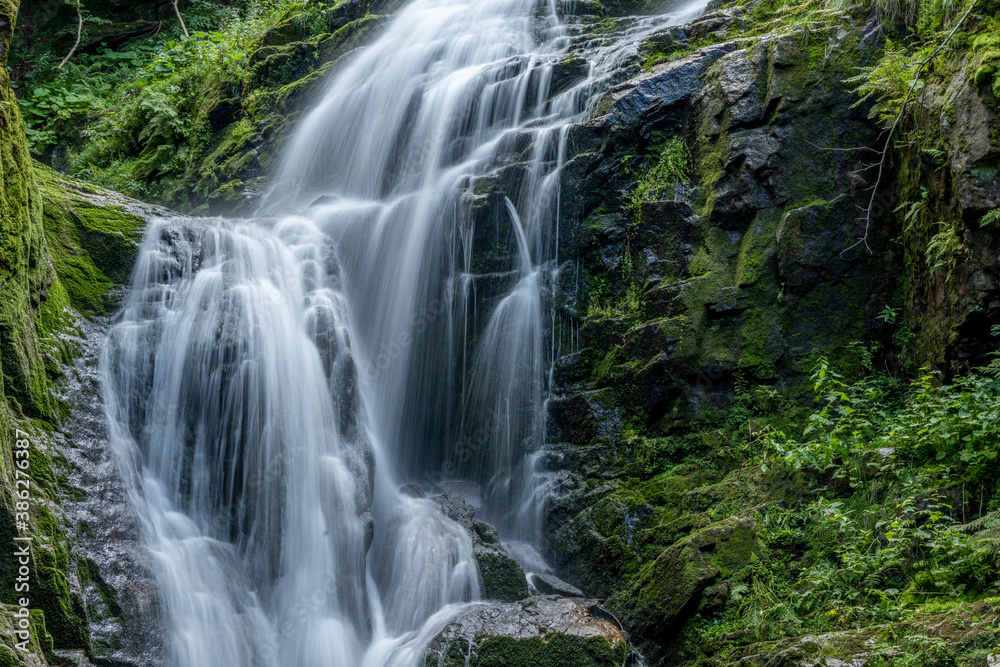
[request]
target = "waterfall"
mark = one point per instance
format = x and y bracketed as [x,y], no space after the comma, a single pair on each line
[272,384]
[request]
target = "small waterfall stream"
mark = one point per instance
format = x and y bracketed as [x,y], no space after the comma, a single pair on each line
[272,384]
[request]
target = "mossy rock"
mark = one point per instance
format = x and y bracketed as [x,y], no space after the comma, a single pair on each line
[543,631]
[25,273]
[93,236]
[555,651]
[670,588]
[502,578]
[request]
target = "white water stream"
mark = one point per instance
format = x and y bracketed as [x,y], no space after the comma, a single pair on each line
[272,383]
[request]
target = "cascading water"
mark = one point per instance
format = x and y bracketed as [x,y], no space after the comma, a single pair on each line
[272,383]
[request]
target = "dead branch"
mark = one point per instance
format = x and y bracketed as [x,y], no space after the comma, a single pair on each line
[845,150]
[177,10]
[895,124]
[79,36]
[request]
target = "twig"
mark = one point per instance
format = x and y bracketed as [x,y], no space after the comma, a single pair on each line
[79,36]
[177,10]
[895,124]
[846,150]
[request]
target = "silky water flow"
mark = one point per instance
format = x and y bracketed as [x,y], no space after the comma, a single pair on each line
[272,383]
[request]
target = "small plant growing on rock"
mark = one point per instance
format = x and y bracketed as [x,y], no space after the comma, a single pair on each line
[671,168]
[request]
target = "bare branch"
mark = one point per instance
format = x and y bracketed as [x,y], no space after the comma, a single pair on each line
[895,124]
[177,10]
[79,36]
[846,150]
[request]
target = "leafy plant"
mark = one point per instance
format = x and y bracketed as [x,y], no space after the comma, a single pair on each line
[887,81]
[944,249]
[671,168]
[990,218]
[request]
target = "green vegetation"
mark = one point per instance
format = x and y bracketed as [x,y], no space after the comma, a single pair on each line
[879,507]
[737,496]
[667,171]
[93,242]
[176,119]
[502,578]
[554,650]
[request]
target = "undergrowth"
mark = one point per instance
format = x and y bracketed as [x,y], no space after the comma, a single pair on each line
[904,512]
[140,98]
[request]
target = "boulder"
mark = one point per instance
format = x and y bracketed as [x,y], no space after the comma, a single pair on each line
[542,631]
[672,586]
[658,99]
[547,584]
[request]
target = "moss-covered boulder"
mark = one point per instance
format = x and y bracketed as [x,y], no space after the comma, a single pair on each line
[93,236]
[671,587]
[614,536]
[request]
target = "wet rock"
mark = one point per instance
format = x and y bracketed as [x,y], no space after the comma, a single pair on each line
[753,149]
[584,417]
[540,631]
[413,491]
[113,572]
[657,99]
[966,122]
[811,243]
[501,577]
[567,73]
[739,73]
[93,235]
[547,584]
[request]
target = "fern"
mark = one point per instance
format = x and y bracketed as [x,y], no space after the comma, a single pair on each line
[990,218]
[888,81]
[989,522]
[985,533]
[943,250]
[993,368]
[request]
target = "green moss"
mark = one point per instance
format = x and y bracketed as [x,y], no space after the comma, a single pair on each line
[502,578]
[64,611]
[88,571]
[25,274]
[93,244]
[550,650]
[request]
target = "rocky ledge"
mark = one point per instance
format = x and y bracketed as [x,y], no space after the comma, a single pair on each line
[541,631]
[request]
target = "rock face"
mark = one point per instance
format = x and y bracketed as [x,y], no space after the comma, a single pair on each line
[502,578]
[93,238]
[25,273]
[92,578]
[723,289]
[110,569]
[539,631]
[729,274]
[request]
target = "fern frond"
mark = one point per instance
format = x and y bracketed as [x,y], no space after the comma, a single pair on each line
[993,368]
[987,522]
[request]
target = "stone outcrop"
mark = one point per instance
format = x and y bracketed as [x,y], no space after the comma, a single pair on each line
[501,577]
[724,291]
[540,631]
[687,577]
